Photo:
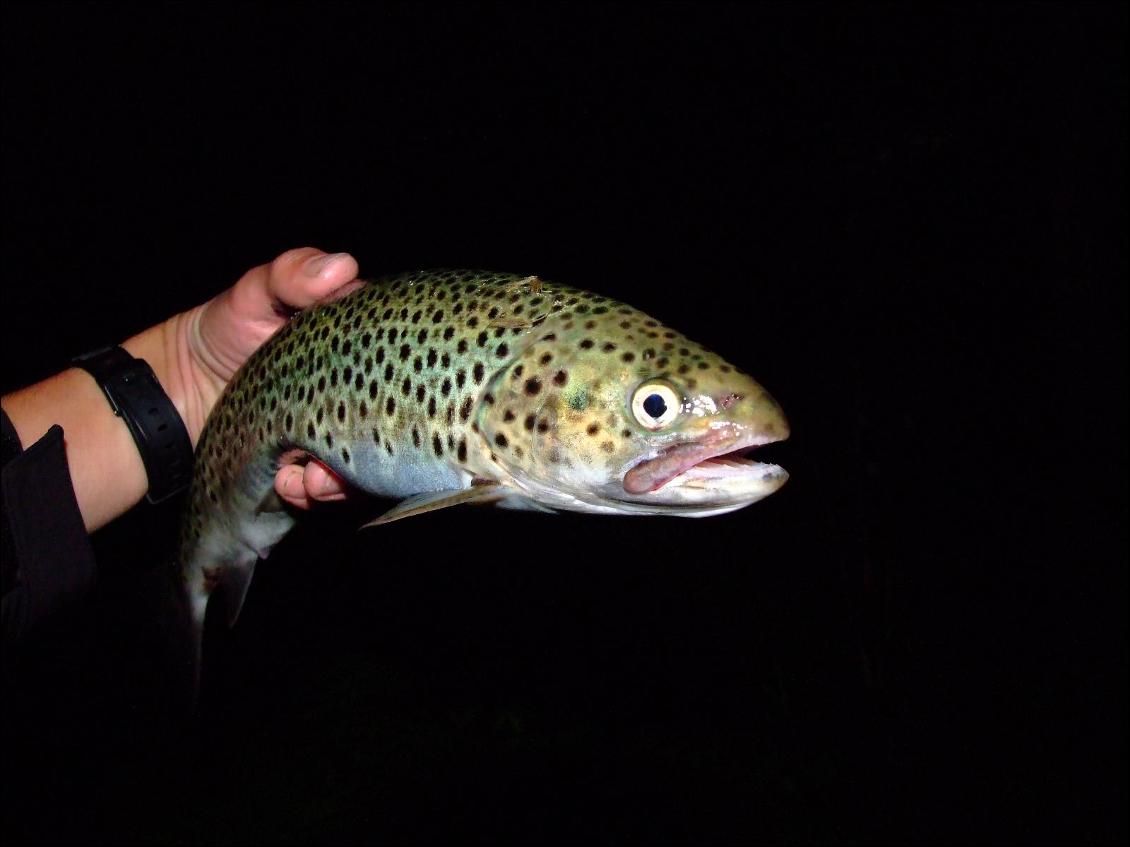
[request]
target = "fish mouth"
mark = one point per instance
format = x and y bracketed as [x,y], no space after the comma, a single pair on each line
[718,462]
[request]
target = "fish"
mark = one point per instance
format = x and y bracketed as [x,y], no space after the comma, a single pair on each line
[446,387]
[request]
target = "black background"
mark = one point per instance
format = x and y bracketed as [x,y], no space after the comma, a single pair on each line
[908,223]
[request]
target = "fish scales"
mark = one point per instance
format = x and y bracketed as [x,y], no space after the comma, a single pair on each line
[448,386]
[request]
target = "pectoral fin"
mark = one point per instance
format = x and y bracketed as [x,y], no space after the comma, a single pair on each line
[432,500]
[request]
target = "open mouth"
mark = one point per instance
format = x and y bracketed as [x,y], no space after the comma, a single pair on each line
[717,459]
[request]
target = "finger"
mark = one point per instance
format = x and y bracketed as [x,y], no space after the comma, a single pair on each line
[321,483]
[288,485]
[266,295]
[300,278]
[301,486]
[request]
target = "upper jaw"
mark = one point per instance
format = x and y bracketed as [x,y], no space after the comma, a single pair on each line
[689,464]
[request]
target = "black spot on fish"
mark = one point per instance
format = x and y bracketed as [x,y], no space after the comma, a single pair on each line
[532,386]
[462,452]
[415,437]
[628,357]
[345,455]
[406,386]
[432,357]
[477,372]
[437,444]
[420,392]
[500,440]
[586,343]
[560,378]
[465,409]
[390,406]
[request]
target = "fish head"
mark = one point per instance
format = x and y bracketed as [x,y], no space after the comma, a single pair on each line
[610,411]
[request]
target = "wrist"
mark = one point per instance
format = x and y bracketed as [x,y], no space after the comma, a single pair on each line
[136,396]
[165,348]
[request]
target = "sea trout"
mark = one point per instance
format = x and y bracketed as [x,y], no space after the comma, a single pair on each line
[446,387]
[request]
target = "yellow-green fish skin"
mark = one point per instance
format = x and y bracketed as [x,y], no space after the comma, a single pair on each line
[434,380]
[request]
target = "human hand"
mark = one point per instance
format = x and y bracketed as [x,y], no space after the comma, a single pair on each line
[213,340]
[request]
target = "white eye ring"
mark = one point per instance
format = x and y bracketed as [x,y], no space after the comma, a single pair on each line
[655,404]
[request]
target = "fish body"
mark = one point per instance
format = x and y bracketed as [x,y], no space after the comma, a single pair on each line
[443,387]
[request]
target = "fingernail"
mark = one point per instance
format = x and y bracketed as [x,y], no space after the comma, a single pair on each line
[318,265]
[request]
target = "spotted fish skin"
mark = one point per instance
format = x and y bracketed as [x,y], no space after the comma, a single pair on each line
[433,381]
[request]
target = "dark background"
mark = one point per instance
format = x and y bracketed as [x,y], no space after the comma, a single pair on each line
[909,224]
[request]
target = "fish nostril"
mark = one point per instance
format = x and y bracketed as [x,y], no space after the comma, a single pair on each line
[728,400]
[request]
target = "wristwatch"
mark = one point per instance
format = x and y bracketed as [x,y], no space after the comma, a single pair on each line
[136,397]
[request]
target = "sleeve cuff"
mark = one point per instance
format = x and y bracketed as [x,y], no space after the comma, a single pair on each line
[50,557]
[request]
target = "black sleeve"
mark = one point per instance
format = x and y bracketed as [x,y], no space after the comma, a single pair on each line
[47,563]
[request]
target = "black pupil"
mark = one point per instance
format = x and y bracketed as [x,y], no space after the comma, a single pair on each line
[654,406]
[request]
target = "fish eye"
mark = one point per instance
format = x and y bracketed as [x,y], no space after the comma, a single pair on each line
[655,404]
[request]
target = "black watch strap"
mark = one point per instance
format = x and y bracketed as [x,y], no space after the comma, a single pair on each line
[136,397]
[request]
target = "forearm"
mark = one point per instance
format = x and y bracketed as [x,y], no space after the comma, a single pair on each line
[106,468]
[193,355]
